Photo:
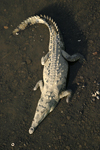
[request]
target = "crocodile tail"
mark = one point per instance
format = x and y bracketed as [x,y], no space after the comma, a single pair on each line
[30,21]
[33,20]
[50,23]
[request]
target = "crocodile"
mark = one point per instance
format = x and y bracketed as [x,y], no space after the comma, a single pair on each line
[55,62]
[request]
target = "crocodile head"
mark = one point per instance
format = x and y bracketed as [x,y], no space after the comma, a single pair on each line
[45,105]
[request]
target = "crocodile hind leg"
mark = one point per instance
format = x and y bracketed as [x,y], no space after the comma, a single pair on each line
[38,84]
[72,58]
[64,94]
[45,58]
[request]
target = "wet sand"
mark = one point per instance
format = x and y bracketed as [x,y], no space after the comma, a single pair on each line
[72,126]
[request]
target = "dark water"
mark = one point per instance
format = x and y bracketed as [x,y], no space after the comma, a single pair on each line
[70,126]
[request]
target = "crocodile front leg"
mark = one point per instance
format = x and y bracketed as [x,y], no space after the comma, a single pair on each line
[39,84]
[45,58]
[72,58]
[64,94]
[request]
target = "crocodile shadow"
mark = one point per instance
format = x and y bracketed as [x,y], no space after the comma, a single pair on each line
[71,34]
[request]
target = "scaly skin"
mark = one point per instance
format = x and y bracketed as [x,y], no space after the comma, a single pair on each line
[53,86]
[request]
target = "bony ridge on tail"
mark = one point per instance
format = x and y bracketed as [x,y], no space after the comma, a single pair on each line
[53,86]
